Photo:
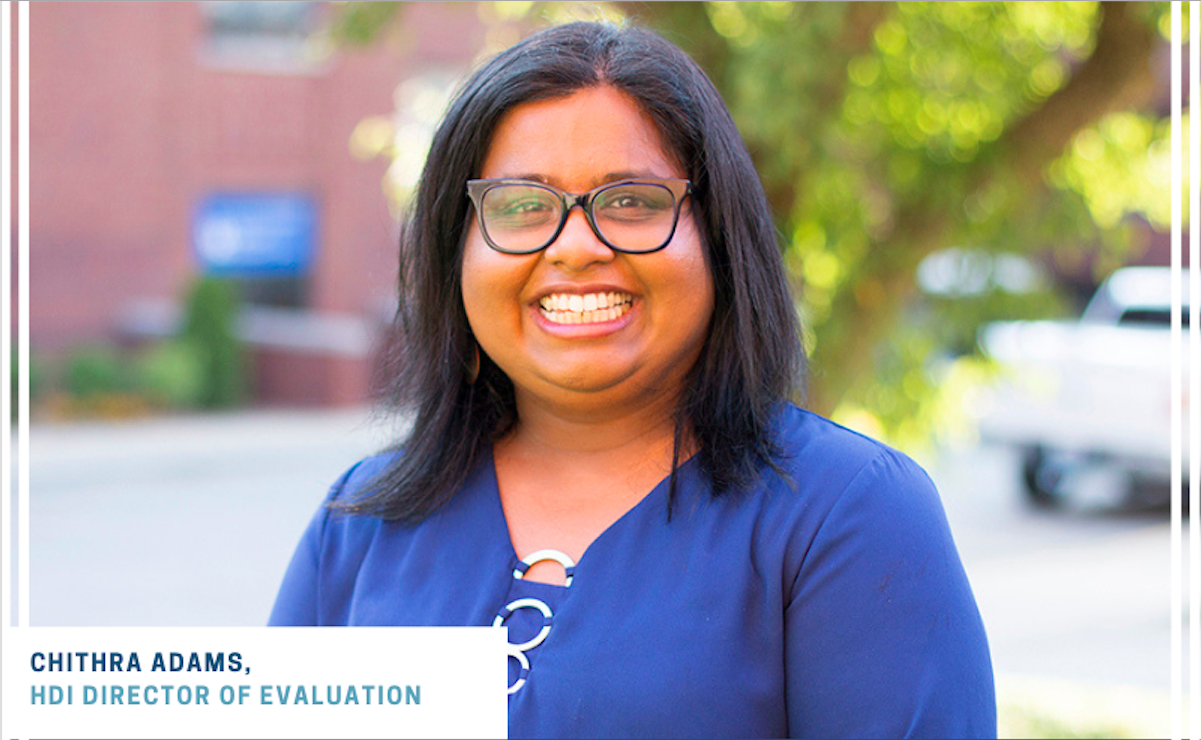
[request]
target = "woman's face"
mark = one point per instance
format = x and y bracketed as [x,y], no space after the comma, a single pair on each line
[520,306]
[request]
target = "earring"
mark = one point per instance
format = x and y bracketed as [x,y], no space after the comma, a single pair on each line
[473,365]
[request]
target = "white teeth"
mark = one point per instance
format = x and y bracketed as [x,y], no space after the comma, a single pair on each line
[573,308]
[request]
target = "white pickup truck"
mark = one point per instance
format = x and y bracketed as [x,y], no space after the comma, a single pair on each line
[1088,403]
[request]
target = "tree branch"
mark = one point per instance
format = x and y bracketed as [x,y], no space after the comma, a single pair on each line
[1117,76]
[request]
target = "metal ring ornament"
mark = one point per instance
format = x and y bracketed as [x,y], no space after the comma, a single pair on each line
[527,603]
[524,673]
[537,557]
[518,651]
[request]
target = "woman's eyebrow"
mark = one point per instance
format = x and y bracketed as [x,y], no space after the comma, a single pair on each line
[627,175]
[531,176]
[605,179]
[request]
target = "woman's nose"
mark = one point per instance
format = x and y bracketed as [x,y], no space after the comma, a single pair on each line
[577,245]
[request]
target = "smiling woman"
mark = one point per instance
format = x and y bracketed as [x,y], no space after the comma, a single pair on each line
[597,345]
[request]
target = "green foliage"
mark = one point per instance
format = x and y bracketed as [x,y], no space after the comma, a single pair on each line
[359,23]
[37,378]
[101,380]
[94,371]
[172,374]
[1024,723]
[202,368]
[1120,166]
[886,132]
[1030,707]
[1159,16]
[13,366]
[212,308]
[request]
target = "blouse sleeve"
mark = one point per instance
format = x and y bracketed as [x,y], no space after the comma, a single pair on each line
[883,635]
[297,604]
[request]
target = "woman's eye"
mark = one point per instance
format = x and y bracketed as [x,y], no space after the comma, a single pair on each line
[519,211]
[635,204]
[526,206]
[627,201]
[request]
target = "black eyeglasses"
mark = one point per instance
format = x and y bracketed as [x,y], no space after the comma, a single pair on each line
[633,216]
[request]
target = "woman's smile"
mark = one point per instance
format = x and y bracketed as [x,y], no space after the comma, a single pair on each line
[589,308]
[584,313]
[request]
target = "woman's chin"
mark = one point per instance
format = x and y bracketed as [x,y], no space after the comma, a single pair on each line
[584,386]
[586,380]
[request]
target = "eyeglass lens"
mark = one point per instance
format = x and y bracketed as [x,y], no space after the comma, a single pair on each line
[634,217]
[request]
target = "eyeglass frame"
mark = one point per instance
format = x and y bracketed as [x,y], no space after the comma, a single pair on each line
[679,188]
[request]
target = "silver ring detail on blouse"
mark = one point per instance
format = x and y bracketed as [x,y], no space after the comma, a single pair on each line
[524,662]
[518,651]
[527,603]
[537,557]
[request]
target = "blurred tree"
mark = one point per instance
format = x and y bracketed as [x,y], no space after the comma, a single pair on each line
[213,305]
[885,133]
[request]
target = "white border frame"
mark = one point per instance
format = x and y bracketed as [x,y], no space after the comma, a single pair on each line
[1176,569]
[1194,395]
[6,503]
[21,546]
[23,312]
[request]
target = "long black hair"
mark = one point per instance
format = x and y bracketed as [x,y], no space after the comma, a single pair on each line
[752,359]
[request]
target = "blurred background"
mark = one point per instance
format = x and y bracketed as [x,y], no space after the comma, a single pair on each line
[972,200]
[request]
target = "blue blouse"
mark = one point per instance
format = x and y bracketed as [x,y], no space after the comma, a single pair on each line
[831,605]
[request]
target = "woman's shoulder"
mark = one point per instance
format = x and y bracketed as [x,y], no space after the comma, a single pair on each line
[812,448]
[830,483]
[341,519]
[335,520]
[318,585]
[874,588]
[347,557]
[357,480]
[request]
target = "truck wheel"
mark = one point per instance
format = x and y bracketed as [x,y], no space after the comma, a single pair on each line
[1040,480]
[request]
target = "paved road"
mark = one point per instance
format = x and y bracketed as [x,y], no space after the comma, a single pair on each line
[192,521]
[178,522]
[1082,593]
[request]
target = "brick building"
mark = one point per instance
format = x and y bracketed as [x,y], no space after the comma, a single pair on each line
[149,119]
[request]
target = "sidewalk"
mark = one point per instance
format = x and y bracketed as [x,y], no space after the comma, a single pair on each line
[179,521]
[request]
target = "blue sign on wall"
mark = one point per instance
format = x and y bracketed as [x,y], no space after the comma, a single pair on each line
[255,234]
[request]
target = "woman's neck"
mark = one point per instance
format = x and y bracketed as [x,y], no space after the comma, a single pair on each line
[564,478]
[597,433]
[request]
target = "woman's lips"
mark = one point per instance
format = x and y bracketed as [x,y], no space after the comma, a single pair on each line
[585,308]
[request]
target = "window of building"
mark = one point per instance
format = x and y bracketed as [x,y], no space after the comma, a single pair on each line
[265,36]
[266,241]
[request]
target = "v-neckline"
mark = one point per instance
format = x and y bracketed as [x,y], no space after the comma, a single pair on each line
[657,493]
